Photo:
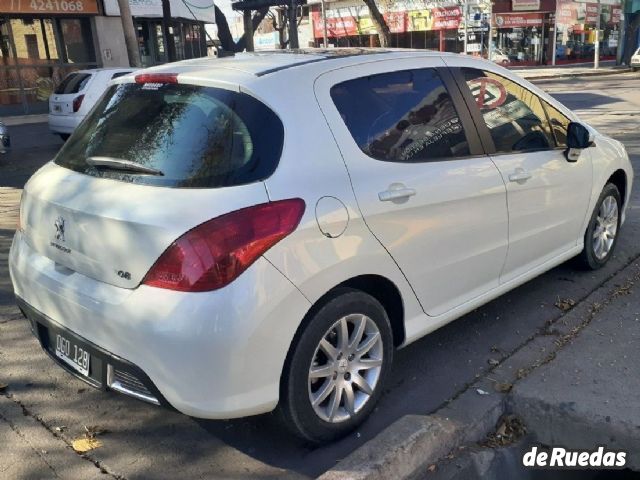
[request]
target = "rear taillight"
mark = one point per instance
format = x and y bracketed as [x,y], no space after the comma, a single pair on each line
[77,103]
[216,252]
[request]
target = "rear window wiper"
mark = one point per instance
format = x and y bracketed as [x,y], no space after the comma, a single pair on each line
[122,164]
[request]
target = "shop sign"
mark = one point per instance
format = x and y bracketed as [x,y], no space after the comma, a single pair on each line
[348,25]
[200,10]
[577,13]
[520,5]
[512,20]
[473,47]
[441,18]
[50,7]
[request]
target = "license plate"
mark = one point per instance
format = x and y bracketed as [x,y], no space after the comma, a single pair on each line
[57,108]
[73,355]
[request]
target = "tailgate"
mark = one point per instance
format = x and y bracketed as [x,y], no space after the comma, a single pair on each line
[114,231]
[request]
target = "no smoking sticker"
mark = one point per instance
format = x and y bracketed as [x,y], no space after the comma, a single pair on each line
[488,93]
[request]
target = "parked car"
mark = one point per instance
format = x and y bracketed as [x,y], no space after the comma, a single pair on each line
[76,94]
[635,61]
[5,139]
[499,57]
[236,235]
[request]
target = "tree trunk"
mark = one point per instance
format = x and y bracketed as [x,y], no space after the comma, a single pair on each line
[255,21]
[379,23]
[224,33]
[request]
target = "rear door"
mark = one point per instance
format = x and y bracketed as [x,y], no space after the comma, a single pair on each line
[547,195]
[426,190]
[71,87]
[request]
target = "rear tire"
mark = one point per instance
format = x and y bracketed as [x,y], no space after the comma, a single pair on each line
[603,230]
[333,380]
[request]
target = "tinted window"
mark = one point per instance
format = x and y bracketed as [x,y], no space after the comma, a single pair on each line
[513,114]
[404,116]
[73,83]
[196,136]
[559,124]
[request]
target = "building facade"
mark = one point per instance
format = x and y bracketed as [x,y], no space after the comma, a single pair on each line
[521,32]
[41,41]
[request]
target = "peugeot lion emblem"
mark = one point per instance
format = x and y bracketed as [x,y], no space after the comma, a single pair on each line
[59,224]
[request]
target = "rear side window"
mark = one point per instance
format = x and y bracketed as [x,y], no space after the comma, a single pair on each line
[559,124]
[196,136]
[404,116]
[514,115]
[73,83]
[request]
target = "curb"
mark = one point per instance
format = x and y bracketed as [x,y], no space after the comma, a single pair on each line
[415,442]
[17,120]
[400,450]
[571,75]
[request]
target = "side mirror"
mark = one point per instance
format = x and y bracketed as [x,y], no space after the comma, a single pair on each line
[577,139]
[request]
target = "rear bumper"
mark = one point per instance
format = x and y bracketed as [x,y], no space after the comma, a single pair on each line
[106,368]
[64,123]
[211,355]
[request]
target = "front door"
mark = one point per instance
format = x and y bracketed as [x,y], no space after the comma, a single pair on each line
[426,190]
[547,195]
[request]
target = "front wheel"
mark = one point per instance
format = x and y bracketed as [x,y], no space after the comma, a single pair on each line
[602,232]
[337,367]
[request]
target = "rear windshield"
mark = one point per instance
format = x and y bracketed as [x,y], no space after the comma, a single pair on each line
[73,83]
[198,137]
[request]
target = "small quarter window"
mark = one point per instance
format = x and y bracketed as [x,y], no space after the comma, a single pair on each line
[559,124]
[404,116]
[513,114]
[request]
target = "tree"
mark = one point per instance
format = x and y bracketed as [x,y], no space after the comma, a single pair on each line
[279,22]
[379,23]
[224,33]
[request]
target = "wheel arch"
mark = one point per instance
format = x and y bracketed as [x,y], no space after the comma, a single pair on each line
[379,287]
[619,179]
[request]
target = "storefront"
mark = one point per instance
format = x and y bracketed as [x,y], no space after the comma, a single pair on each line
[433,28]
[187,27]
[522,38]
[40,42]
[576,32]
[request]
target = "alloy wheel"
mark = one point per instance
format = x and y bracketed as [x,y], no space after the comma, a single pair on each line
[606,227]
[345,368]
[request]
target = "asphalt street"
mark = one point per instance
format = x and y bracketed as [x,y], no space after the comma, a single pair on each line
[147,442]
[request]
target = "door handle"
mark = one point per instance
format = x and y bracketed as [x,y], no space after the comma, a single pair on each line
[396,191]
[520,175]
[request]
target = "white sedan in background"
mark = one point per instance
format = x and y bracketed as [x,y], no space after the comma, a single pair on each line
[76,94]
[635,61]
[237,235]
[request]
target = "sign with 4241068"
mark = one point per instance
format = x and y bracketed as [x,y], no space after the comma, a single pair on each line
[50,7]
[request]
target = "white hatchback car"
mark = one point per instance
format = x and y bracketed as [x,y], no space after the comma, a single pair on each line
[76,94]
[237,235]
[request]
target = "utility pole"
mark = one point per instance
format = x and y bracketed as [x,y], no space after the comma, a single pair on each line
[248,29]
[596,60]
[465,19]
[293,25]
[130,37]
[324,25]
[167,31]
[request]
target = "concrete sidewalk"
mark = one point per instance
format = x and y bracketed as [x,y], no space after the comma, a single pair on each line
[588,394]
